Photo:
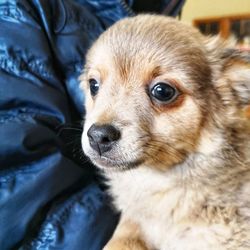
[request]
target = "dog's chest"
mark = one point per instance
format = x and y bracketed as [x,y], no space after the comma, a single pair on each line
[189,237]
[139,192]
[156,203]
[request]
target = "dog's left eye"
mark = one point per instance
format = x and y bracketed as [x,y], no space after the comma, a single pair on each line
[94,86]
[163,92]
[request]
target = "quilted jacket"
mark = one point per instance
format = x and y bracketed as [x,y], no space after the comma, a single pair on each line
[50,197]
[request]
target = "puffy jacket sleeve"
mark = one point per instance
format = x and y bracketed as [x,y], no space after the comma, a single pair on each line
[46,200]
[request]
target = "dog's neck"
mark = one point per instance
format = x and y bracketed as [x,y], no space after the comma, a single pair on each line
[203,177]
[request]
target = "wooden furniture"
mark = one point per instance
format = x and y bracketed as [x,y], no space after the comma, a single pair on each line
[237,26]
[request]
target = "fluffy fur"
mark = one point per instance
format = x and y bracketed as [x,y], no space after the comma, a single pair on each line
[180,174]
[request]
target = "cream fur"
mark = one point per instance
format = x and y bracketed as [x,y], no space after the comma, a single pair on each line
[180,174]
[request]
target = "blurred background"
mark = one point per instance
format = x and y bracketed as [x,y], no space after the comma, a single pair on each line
[229,18]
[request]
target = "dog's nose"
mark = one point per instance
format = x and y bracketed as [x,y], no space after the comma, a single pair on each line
[102,137]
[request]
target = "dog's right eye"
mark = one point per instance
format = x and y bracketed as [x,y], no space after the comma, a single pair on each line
[93,86]
[163,93]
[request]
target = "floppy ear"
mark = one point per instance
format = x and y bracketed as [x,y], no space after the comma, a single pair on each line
[232,74]
[235,73]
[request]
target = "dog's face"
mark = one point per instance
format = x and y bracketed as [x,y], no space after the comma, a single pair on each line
[149,94]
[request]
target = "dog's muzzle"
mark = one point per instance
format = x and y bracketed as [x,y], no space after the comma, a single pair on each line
[103,137]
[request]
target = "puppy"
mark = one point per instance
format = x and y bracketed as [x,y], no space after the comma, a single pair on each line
[165,122]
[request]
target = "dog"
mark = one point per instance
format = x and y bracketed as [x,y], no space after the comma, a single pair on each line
[165,123]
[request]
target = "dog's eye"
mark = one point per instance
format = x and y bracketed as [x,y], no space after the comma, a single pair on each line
[93,86]
[163,92]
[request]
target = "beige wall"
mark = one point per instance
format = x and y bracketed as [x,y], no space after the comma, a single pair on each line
[194,9]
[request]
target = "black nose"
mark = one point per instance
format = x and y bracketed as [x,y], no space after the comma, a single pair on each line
[102,137]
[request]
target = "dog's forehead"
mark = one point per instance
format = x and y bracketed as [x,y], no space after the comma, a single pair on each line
[144,47]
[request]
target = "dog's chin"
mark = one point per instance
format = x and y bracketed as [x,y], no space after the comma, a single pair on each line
[108,164]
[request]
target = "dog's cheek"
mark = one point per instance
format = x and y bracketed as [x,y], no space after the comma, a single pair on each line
[174,135]
[90,119]
[132,142]
[84,139]
[89,103]
[180,127]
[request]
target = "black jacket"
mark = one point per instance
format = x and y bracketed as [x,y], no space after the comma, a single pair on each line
[49,196]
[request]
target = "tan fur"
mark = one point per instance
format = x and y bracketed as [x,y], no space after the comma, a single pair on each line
[180,174]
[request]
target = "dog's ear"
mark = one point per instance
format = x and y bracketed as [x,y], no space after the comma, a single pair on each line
[231,73]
